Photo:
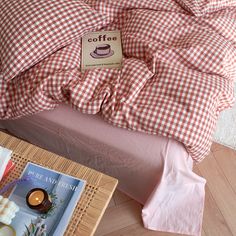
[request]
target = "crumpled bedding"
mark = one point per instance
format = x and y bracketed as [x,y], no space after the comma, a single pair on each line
[179,64]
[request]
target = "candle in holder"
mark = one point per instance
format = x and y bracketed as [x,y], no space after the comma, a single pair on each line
[38,199]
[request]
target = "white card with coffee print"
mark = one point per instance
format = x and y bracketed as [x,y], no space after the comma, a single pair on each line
[101,50]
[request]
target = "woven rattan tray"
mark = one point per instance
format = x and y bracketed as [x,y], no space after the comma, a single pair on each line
[97,193]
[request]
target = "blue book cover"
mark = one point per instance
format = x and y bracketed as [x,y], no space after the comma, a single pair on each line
[64,191]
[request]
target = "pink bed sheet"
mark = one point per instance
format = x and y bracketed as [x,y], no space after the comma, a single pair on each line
[156,171]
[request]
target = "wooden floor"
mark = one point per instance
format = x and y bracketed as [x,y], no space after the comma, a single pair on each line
[123,216]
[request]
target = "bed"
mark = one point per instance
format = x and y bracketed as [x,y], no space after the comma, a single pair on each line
[145,123]
[140,162]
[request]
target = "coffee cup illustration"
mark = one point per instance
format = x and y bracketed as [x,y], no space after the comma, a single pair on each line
[102,51]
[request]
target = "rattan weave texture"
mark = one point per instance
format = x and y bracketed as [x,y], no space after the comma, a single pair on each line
[97,193]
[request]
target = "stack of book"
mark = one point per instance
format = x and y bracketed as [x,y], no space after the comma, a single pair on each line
[6,164]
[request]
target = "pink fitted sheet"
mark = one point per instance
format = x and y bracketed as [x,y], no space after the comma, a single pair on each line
[156,171]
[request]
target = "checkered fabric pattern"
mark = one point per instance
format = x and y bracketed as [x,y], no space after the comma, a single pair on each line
[177,74]
[30,30]
[200,8]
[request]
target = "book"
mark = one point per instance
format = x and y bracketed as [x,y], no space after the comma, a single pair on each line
[64,192]
[10,166]
[5,156]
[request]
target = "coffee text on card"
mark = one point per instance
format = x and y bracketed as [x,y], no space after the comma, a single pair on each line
[101,50]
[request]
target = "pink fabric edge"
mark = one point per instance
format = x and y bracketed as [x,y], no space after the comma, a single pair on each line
[164,210]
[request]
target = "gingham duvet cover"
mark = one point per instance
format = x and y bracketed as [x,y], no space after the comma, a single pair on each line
[179,64]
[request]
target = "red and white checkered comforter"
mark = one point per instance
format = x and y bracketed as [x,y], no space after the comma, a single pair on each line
[178,70]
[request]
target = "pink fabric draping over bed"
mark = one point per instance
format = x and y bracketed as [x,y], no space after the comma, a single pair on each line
[154,170]
[177,202]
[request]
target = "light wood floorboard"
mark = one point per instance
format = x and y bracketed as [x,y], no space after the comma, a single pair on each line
[123,216]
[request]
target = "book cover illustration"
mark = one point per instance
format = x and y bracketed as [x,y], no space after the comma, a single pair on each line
[64,192]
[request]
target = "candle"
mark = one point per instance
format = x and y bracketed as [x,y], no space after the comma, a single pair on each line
[39,200]
[36,198]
